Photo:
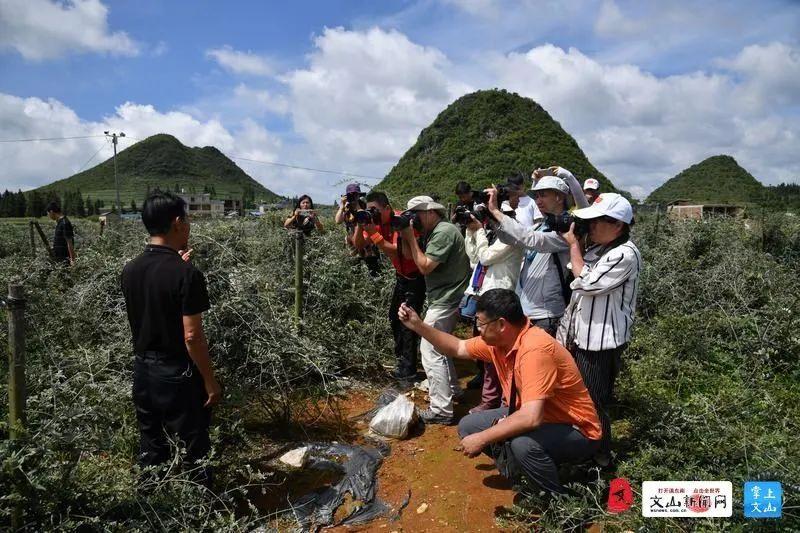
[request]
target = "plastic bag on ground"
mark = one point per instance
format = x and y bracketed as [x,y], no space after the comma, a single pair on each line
[394,420]
[356,490]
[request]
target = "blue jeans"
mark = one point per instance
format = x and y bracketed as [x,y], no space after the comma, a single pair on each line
[538,452]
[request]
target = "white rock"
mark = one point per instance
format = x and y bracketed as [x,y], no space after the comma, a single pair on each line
[296,458]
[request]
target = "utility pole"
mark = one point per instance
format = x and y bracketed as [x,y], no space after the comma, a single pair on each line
[114,137]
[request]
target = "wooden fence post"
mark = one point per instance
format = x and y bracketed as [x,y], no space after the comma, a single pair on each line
[44,239]
[298,274]
[33,240]
[15,305]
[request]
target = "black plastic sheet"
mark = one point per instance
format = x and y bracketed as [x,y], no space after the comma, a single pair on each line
[359,466]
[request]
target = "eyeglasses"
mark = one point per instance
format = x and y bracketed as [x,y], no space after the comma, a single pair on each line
[481,325]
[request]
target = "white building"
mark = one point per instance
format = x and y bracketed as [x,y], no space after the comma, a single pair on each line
[202,205]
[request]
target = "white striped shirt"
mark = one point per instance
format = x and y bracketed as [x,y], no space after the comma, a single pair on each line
[600,314]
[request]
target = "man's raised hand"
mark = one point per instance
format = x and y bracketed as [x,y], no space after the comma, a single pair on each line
[408,316]
[186,255]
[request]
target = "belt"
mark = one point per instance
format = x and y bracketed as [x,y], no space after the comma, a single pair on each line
[150,355]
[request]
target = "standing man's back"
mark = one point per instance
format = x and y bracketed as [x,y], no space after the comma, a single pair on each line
[64,236]
[173,384]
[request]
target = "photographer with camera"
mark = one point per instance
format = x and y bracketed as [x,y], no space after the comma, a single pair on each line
[465,201]
[304,218]
[446,269]
[591,189]
[374,226]
[598,322]
[496,267]
[550,418]
[543,286]
[351,203]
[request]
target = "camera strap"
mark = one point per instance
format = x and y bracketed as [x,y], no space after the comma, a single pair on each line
[566,291]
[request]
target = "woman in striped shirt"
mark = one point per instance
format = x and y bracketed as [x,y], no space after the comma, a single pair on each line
[596,326]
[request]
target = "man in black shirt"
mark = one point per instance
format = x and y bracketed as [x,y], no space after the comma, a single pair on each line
[63,240]
[165,295]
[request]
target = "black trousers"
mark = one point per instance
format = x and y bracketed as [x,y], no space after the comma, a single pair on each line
[599,370]
[169,395]
[406,342]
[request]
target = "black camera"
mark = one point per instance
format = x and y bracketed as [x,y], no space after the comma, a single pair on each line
[482,197]
[368,216]
[404,220]
[561,223]
[462,215]
[352,197]
[305,219]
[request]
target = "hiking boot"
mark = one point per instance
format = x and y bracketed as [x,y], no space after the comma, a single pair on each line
[429,417]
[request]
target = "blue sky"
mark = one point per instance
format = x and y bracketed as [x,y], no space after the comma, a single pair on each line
[646,88]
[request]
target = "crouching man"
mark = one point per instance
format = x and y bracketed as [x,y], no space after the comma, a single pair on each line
[550,419]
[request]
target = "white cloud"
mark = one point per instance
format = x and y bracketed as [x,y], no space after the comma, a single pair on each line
[640,129]
[240,62]
[260,101]
[611,21]
[41,29]
[365,95]
[32,164]
[772,74]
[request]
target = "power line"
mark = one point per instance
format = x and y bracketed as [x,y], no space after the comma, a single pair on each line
[286,165]
[50,139]
[105,142]
[273,163]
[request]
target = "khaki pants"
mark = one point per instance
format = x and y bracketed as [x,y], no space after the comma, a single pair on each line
[442,379]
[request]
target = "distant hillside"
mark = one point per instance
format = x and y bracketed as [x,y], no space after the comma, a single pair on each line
[481,138]
[718,179]
[163,161]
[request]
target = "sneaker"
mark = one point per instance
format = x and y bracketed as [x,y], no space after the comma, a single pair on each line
[602,459]
[429,417]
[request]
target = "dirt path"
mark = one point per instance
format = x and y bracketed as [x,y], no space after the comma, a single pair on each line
[461,494]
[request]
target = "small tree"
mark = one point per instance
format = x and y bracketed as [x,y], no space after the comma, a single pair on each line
[133,206]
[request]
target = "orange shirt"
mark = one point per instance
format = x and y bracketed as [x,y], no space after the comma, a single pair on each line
[544,370]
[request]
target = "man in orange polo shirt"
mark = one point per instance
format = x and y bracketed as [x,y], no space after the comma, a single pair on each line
[553,419]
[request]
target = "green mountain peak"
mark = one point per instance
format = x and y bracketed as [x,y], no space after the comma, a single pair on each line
[162,161]
[481,138]
[717,179]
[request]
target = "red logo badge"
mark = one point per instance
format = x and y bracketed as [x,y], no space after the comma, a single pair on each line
[620,495]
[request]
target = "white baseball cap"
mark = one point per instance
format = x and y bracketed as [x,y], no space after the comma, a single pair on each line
[424,203]
[551,182]
[591,183]
[608,204]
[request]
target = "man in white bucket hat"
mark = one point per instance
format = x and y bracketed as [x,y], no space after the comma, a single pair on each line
[442,259]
